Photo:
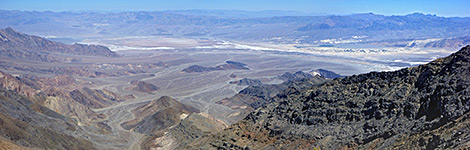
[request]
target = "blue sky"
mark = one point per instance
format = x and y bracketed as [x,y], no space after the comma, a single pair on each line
[386,7]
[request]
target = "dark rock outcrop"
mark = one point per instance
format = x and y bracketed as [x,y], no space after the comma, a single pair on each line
[247,82]
[229,65]
[287,76]
[197,68]
[255,96]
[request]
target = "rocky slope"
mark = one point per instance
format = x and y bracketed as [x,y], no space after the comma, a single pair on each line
[62,94]
[22,46]
[423,107]
[52,112]
[25,124]
[6,144]
[255,96]
[95,98]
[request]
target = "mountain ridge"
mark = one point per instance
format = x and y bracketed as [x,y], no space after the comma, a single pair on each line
[17,45]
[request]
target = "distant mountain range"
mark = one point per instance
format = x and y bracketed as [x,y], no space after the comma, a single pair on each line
[241,13]
[292,27]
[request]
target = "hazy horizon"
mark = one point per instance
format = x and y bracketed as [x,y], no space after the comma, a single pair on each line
[455,8]
[287,12]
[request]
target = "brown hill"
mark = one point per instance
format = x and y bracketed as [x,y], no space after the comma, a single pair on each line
[192,127]
[157,115]
[142,86]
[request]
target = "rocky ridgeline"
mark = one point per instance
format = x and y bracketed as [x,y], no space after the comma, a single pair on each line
[22,46]
[423,107]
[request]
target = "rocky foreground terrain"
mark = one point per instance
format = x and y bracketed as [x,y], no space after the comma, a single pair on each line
[422,107]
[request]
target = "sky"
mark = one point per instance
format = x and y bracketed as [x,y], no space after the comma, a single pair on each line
[339,7]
